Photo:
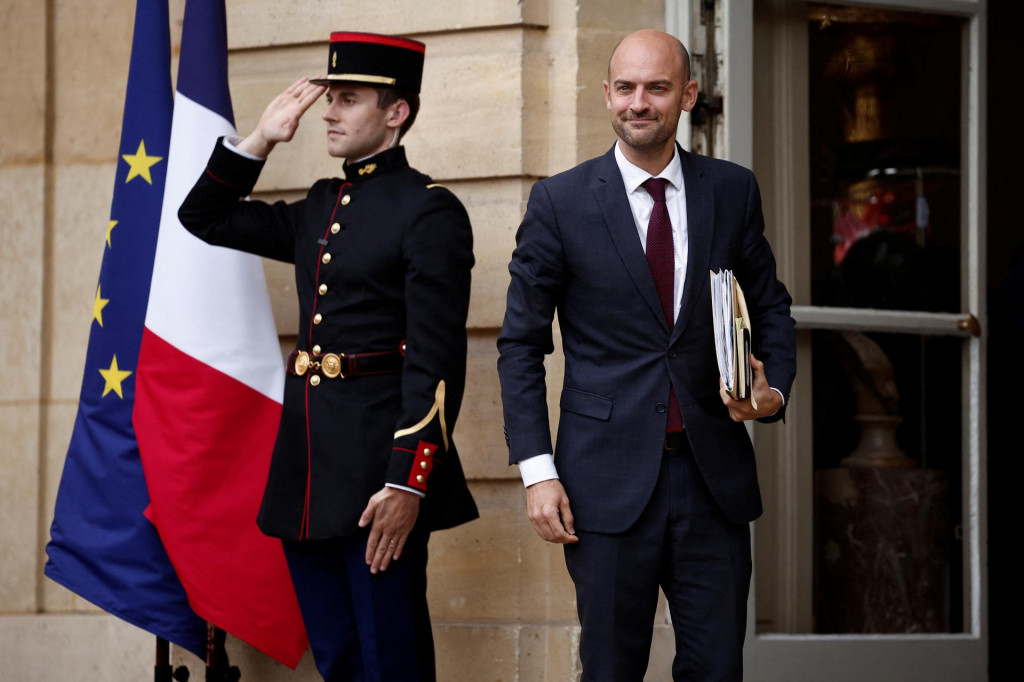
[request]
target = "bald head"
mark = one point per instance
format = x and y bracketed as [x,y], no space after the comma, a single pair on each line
[647,90]
[653,42]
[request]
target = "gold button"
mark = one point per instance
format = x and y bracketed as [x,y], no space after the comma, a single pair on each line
[423,465]
[426,452]
[315,380]
[322,289]
[316,349]
[317,318]
[326,259]
[335,228]
[345,199]
[419,479]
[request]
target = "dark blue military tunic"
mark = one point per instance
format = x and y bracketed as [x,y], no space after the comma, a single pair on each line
[382,271]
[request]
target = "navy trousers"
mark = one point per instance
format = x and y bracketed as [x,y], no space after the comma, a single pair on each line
[363,627]
[684,544]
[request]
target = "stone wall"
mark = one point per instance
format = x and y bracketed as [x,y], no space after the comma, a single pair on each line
[511,93]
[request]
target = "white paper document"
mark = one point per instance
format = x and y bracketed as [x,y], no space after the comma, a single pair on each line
[732,334]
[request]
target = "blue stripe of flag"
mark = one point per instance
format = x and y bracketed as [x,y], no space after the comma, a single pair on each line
[203,66]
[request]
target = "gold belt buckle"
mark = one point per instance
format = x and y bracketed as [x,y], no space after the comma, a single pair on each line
[301,363]
[330,365]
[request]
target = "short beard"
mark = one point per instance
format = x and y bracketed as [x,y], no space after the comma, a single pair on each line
[648,139]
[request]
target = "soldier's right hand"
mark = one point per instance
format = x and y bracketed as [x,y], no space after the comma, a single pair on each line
[281,118]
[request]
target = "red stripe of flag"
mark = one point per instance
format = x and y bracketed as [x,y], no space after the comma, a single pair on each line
[206,504]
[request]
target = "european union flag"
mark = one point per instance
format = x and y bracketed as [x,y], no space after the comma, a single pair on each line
[101,546]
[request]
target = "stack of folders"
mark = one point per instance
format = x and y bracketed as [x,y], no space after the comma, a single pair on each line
[732,335]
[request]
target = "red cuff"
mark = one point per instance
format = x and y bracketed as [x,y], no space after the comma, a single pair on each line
[422,464]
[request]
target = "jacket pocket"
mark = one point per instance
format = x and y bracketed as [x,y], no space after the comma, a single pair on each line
[586,404]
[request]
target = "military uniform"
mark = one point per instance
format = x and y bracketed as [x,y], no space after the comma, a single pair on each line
[382,271]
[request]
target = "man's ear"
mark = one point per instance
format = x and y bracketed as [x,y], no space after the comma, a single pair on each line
[399,112]
[690,92]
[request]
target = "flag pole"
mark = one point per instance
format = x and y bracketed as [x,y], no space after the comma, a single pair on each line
[164,671]
[218,668]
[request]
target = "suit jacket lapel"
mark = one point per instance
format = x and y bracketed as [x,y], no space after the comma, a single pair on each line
[700,222]
[610,194]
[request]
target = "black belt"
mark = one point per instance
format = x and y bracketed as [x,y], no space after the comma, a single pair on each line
[676,441]
[345,365]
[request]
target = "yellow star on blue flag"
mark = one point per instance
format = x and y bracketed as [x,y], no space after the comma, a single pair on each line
[139,163]
[113,376]
[98,304]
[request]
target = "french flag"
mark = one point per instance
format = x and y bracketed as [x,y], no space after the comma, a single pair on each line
[210,381]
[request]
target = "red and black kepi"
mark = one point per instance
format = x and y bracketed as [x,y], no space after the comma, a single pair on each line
[373,59]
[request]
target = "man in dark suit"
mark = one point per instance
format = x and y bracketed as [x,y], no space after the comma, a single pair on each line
[654,482]
[363,467]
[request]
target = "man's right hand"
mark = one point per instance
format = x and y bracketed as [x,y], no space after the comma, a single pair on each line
[281,118]
[548,508]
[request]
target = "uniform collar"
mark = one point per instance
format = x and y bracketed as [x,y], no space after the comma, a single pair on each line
[375,165]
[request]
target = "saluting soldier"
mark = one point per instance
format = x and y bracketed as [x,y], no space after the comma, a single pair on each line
[364,466]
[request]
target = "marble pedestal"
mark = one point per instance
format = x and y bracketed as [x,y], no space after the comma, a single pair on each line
[881,551]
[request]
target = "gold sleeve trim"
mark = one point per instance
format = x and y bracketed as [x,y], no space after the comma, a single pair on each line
[438,409]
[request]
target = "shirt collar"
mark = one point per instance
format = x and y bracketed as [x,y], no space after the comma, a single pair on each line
[634,176]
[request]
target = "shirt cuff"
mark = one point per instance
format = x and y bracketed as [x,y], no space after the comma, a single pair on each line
[538,468]
[783,401]
[232,142]
[402,487]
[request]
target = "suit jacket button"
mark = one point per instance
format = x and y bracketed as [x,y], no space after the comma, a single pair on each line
[660,408]
[326,258]
[672,354]
[317,318]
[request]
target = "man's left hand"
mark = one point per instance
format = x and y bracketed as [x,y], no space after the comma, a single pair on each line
[393,514]
[768,401]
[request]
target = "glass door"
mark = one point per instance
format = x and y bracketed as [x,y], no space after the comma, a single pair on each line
[863,123]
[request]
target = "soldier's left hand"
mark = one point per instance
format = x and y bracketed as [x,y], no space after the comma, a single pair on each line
[768,401]
[393,513]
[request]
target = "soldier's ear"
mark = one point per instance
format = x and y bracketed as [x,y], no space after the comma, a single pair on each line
[399,112]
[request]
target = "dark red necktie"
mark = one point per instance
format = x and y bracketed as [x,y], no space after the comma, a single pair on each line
[661,259]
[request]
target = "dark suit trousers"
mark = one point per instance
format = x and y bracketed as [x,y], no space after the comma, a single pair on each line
[685,544]
[363,627]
